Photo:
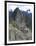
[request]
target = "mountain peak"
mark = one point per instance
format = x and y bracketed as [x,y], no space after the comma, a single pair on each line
[17,8]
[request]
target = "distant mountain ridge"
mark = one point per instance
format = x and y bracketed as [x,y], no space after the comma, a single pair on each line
[13,14]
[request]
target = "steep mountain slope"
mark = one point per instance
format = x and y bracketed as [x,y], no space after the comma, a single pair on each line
[20,17]
[20,25]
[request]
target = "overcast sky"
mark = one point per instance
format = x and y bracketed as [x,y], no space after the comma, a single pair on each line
[23,7]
